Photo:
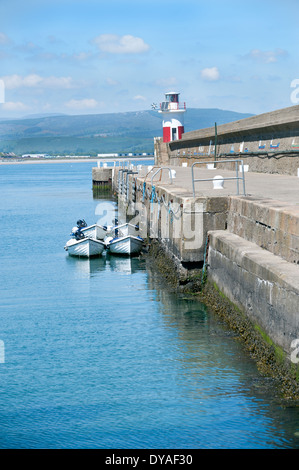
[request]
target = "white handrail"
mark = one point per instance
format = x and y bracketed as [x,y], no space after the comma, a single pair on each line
[237,177]
[162,168]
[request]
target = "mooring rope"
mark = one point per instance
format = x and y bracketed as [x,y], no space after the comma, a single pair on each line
[143,193]
[152,195]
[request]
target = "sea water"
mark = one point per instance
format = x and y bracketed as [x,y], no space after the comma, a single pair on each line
[101,353]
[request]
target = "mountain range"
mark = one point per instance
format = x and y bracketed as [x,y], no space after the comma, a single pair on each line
[98,133]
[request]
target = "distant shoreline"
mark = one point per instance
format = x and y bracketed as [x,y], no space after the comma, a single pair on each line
[73,160]
[50,160]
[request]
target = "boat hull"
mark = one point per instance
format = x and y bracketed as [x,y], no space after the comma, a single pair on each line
[128,245]
[95,231]
[87,247]
[126,229]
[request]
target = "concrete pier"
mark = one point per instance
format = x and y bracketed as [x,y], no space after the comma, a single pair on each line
[102,177]
[232,218]
[250,242]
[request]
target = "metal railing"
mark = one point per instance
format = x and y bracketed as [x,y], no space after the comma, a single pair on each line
[160,169]
[150,171]
[237,177]
[123,182]
[171,106]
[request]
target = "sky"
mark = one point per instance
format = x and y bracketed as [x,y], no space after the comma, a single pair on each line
[94,56]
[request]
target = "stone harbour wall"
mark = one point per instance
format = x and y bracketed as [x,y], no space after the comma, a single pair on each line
[267,143]
[265,286]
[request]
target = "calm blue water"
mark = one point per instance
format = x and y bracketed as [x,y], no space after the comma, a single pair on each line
[98,354]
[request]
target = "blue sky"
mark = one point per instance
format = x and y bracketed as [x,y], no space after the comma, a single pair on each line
[91,56]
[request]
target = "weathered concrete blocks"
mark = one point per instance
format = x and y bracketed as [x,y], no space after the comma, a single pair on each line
[102,176]
[177,220]
[272,225]
[262,284]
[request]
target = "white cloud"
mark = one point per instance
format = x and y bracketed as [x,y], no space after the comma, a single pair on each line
[166,82]
[111,82]
[266,57]
[4,39]
[34,80]
[81,56]
[210,74]
[115,44]
[54,39]
[139,98]
[14,106]
[82,104]
[27,48]
[57,82]
[30,81]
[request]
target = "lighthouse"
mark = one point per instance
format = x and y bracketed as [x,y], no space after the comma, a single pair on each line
[173,117]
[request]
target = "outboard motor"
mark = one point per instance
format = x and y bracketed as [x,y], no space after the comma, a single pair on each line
[81,223]
[77,234]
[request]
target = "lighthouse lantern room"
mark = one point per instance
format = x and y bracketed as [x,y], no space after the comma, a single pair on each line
[173,117]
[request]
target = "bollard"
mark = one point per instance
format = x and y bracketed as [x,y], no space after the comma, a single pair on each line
[246,167]
[218,182]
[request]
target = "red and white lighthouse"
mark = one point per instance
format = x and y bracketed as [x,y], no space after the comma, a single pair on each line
[173,117]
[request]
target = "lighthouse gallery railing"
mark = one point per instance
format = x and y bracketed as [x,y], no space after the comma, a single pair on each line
[171,106]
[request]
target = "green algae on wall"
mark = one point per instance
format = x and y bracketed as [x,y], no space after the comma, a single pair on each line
[271,360]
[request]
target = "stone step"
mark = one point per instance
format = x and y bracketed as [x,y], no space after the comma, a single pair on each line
[259,282]
[270,224]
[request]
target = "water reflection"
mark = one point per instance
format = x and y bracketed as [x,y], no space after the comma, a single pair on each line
[124,265]
[218,376]
[86,267]
[90,267]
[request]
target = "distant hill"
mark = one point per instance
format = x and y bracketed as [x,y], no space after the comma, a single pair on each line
[98,133]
